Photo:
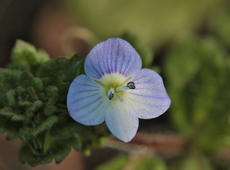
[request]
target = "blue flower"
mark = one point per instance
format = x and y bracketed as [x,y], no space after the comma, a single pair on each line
[116,90]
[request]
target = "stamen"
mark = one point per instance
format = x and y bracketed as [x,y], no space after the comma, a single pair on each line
[122,88]
[110,93]
[131,85]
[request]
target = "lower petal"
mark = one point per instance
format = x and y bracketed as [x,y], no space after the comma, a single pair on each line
[85,101]
[121,122]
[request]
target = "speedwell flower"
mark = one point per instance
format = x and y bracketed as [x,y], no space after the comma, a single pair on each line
[116,90]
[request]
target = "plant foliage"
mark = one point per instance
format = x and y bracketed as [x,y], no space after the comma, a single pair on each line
[198,74]
[33,106]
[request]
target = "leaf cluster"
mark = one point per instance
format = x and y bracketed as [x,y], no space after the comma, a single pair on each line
[197,72]
[33,109]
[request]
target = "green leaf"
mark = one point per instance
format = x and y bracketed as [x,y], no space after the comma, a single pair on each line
[6,112]
[10,95]
[193,161]
[135,162]
[62,154]
[77,143]
[11,136]
[25,54]
[197,74]
[33,106]
[218,23]
[18,117]
[45,125]
[115,164]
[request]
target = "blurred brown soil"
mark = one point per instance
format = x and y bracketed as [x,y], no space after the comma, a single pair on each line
[9,159]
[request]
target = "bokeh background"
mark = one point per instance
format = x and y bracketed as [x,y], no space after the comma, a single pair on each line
[186,41]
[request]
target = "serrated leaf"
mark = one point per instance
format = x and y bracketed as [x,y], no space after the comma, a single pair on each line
[45,125]
[11,94]
[38,115]
[6,112]
[26,54]
[18,117]
[62,154]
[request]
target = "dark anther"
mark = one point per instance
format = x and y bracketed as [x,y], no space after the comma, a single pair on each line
[131,85]
[110,96]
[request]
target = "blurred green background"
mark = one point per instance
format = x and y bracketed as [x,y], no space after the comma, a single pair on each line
[186,41]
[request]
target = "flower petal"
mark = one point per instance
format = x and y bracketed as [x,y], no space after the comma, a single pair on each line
[121,122]
[112,56]
[85,101]
[149,99]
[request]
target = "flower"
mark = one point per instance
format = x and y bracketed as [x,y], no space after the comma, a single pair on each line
[116,90]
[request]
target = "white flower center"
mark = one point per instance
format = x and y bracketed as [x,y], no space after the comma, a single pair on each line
[116,85]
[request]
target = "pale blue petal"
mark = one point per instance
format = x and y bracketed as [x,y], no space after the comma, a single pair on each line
[121,121]
[112,56]
[85,101]
[149,99]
